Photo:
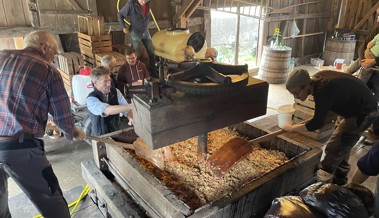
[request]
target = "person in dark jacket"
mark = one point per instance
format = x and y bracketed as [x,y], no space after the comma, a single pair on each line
[344,95]
[321,200]
[105,104]
[132,73]
[138,12]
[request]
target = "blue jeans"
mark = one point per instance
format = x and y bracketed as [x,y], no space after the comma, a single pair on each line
[145,38]
[373,84]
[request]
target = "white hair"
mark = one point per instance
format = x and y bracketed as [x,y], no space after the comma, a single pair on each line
[38,38]
[107,60]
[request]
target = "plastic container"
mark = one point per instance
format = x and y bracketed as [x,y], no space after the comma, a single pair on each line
[285,113]
[81,87]
[338,63]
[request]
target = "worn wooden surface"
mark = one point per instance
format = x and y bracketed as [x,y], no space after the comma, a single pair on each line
[185,116]
[154,197]
[114,202]
[251,200]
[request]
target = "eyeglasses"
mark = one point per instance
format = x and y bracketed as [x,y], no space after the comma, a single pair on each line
[106,81]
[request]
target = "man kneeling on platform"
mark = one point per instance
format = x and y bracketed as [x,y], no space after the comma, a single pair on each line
[105,104]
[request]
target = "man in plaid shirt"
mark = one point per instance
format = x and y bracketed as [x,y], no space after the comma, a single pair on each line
[30,88]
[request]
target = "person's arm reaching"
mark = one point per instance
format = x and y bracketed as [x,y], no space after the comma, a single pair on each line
[122,15]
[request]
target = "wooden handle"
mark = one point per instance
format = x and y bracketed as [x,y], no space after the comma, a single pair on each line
[273,134]
[108,141]
[266,137]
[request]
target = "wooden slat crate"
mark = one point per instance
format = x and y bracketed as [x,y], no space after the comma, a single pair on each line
[120,58]
[305,110]
[91,25]
[70,62]
[67,80]
[90,45]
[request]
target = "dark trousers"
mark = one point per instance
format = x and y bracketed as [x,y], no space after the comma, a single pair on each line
[33,173]
[337,150]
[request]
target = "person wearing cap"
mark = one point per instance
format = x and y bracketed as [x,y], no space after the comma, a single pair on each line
[138,12]
[344,95]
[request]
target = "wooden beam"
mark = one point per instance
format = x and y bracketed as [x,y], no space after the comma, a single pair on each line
[73,12]
[304,35]
[22,31]
[185,10]
[289,9]
[365,18]
[297,17]
[18,42]
[74,4]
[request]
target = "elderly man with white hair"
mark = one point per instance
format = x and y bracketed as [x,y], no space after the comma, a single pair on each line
[344,95]
[30,89]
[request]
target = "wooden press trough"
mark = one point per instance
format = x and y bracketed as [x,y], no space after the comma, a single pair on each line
[250,200]
[181,116]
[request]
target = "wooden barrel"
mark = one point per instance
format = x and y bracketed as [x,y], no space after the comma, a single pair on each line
[334,49]
[275,65]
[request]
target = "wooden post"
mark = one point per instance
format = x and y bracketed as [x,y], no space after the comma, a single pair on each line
[202,146]
[99,152]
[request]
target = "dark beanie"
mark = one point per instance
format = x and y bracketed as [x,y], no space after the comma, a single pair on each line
[297,79]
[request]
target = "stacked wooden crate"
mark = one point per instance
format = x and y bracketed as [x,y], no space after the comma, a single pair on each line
[120,58]
[92,39]
[305,110]
[91,25]
[69,65]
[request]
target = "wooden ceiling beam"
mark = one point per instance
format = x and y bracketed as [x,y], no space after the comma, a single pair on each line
[366,17]
[186,10]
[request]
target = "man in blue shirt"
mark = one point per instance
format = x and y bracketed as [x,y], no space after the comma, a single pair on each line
[105,104]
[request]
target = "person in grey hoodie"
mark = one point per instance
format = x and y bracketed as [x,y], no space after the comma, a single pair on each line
[138,12]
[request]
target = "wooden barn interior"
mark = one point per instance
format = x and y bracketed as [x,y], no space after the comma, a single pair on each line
[269,38]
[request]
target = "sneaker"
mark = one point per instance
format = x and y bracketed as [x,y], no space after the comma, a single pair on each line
[323,176]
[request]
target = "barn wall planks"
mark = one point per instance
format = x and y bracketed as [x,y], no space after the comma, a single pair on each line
[10,13]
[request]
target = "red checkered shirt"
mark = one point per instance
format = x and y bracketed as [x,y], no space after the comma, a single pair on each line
[30,88]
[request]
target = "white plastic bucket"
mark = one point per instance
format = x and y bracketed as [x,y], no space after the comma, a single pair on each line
[81,87]
[285,115]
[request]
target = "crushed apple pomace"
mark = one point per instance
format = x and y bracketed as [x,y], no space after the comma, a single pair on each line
[192,180]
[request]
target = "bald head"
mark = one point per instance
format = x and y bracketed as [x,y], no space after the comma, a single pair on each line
[44,42]
[35,38]
[211,53]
